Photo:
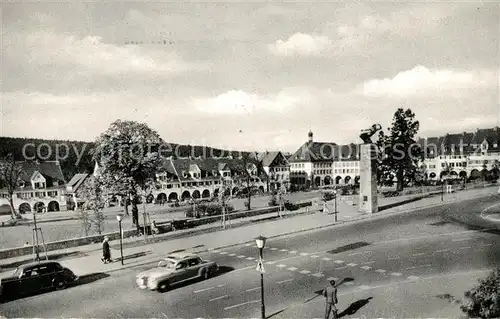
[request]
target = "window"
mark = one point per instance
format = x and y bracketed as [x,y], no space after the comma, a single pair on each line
[193,262]
[181,265]
[443,165]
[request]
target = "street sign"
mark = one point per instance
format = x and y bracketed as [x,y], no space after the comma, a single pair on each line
[260,267]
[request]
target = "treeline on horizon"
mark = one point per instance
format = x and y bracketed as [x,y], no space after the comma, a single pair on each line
[77,156]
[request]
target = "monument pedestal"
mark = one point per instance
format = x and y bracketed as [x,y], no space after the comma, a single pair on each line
[368,197]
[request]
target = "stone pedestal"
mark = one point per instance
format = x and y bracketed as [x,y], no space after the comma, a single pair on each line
[368,198]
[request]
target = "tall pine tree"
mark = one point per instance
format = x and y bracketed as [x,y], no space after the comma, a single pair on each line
[400,153]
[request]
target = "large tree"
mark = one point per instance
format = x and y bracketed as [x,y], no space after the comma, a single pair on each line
[11,179]
[400,153]
[127,153]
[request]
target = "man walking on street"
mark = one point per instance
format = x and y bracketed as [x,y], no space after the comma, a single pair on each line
[330,293]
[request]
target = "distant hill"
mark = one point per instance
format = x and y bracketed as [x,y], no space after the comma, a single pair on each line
[76,157]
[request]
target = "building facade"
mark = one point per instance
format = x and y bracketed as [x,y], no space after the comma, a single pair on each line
[311,164]
[462,156]
[42,188]
[186,179]
[277,169]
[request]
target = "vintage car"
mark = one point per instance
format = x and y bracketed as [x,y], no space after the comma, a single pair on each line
[175,269]
[35,277]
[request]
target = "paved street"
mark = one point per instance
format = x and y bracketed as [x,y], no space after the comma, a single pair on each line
[401,249]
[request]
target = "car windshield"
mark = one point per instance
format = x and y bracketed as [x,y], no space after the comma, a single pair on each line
[17,272]
[169,264]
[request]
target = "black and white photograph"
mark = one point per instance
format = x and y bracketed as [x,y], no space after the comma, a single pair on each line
[249,159]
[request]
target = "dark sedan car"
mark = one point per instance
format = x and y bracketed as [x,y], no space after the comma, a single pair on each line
[35,277]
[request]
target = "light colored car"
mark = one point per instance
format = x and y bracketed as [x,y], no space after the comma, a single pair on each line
[176,268]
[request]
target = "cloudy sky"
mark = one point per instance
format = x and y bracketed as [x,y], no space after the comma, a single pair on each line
[247,75]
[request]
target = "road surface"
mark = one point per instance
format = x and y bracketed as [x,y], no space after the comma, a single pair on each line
[408,247]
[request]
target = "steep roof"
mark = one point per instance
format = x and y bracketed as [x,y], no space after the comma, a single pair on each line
[77,180]
[491,135]
[268,158]
[50,169]
[314,152]
[347,152]
[207,166]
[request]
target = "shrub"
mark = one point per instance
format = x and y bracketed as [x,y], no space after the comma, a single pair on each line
[273,201]
[290,206]
[208,209]
[328,196]
[483,301]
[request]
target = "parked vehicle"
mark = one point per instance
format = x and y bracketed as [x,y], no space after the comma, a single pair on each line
[176,268]
[35,277]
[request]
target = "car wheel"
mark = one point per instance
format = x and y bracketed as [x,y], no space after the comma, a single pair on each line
[163,286]
[206,274]
[59,284]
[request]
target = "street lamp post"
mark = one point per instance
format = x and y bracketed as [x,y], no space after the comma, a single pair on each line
[119,218]
[335,193]
[261,242]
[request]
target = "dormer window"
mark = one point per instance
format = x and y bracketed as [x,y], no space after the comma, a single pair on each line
[184,174]
[495,145]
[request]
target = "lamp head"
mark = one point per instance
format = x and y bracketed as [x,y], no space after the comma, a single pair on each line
[119,217]
[260,241]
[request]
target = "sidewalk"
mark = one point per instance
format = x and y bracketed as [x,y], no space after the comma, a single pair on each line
[90,262]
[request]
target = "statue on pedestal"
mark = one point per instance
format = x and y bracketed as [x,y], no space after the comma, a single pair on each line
[368,133]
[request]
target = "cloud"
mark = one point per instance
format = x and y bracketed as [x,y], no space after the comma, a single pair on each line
[421,80]
[301,44]
[90,54]
[240,102]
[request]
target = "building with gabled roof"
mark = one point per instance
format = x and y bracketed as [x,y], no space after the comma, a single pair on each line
[42,188]
[311,164]
[277,168]
[188,178]
[462,155]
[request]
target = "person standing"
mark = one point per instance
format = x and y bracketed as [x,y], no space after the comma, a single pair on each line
[106,251]
[330,294]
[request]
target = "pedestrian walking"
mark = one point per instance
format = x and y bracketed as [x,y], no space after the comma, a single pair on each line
[106,251]
[330,294]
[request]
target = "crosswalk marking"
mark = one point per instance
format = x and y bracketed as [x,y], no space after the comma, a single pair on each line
[215,251]
[241,256]
[397,274]
[363,287]
[283,249]
[270,262]
[366,267]
[248,245]
[318,275]
[339,261]
[352,265]
[292,268]
[332,278]
[382,271]
[232,255]
[293,252]
[413,277]
[283,281]
[305,272]
[304,254]
[349,283]
[281,266]
[314,256]
[250,258]
[274,248]
[223,253]
[326,259]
